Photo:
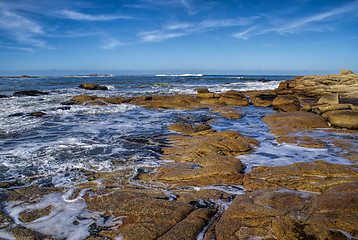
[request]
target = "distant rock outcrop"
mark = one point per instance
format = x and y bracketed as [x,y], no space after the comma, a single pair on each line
[30,93]
[92,86]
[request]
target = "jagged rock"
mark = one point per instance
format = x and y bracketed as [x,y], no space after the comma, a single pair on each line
[3,96]
[286,103]
[30,93]
[345,71]
[343,118]
[92,86]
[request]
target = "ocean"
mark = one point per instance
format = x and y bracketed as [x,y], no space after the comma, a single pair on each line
[60,148]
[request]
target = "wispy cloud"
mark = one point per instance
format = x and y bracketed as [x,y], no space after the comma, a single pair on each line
[69,14]
[21,28]
[111,44]
[245,34]
[18,48]
[192,7]
[320,22]
[156,36]
[183,29]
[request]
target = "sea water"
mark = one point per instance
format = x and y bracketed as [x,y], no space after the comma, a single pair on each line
[57,149]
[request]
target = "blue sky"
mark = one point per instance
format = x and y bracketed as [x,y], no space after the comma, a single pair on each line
[178,36]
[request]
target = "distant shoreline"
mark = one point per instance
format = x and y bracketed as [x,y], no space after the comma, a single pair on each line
[22,76]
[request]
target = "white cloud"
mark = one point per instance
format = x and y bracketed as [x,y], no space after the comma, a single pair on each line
[245,34]
[20,28]
[112,44]
[156,36]
[183,29]
[178,26]
[69,14]
[320,22]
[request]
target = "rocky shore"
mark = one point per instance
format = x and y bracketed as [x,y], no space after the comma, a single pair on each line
[306,200]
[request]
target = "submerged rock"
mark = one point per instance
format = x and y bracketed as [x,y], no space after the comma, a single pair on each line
[37,114]
[293,127]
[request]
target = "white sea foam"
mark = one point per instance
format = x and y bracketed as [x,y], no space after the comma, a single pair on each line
[180,75]
[67,219]
[231,189]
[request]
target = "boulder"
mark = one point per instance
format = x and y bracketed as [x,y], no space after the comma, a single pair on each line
[321,109]
[92,86]
[343,118]
[329,99]
[233,97]
[201,90]
[286,103]
[345,71]
[262,98]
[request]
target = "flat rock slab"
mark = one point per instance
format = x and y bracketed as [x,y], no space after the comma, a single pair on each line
[280,213]
[306,176]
